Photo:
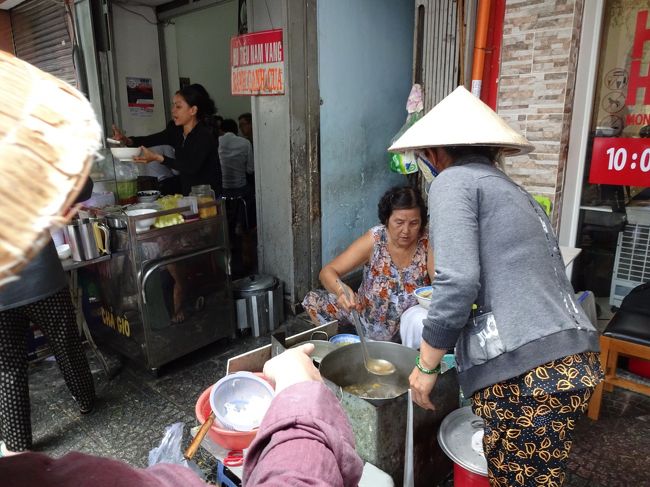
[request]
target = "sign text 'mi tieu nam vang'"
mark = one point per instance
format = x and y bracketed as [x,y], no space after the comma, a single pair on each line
[257,63]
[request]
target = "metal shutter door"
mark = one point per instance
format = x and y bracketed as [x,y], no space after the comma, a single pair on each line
[41,37]
[438,47]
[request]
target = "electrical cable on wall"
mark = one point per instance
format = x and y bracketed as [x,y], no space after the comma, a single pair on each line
[123,7]
[268,13]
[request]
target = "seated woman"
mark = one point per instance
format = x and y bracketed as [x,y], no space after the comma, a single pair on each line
[396,260]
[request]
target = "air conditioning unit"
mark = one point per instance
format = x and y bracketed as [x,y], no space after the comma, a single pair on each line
[632,263]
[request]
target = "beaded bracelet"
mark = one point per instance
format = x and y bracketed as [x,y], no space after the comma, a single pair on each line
[435,370]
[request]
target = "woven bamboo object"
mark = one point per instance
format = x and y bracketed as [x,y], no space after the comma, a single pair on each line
[48,138]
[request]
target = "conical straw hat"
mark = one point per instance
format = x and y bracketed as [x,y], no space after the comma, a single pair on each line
[462,119]
[48,138]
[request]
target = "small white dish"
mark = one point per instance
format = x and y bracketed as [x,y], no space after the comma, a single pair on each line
[64,251]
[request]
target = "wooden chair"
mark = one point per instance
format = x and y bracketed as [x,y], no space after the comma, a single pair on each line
[627,334]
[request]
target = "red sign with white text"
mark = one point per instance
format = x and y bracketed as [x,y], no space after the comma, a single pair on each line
[257,63]
[622,161]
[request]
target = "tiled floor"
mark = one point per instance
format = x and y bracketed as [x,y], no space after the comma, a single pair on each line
[133,409]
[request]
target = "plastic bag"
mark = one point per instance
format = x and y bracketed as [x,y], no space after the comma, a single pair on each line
[169,450]
[407,163]
[404,163]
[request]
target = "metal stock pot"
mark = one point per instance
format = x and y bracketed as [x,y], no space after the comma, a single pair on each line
[344,367]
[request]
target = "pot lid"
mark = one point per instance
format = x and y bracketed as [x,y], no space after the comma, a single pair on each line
[254,282]
[460,438]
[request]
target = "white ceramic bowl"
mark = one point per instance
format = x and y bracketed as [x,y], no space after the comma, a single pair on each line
[63,251]
[148,196]
[423,295]
[125,152]
[344,339]
[145,224]
[240,400]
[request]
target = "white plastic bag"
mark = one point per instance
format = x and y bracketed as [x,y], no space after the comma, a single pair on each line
[169,450]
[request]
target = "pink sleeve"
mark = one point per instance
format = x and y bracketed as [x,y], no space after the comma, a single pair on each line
[81,470]
[305,439]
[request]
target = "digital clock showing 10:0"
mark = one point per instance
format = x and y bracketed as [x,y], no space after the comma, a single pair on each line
[620,161]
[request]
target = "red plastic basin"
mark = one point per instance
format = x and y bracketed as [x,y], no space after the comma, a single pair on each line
[229,439]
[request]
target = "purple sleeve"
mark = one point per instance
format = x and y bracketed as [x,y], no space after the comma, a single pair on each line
[304,439]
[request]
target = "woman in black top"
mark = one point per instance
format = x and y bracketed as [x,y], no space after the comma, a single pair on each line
[197,158]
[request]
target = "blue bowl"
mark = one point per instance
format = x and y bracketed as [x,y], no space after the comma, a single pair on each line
[345,339]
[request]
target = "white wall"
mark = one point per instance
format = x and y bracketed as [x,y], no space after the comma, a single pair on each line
[137,55]
[199,49]
[365,52]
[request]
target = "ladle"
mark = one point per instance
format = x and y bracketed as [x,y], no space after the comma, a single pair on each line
[375,366]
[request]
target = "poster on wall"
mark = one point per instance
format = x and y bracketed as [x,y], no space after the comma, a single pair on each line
[622,161]
[257,63]
[622,106]
[139,94]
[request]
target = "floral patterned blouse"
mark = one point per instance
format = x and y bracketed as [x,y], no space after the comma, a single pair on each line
[387,291]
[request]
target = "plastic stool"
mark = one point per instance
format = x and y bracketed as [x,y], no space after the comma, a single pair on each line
[225,477]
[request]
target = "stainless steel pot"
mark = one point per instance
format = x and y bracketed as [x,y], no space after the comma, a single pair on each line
[344,367]
[258,302]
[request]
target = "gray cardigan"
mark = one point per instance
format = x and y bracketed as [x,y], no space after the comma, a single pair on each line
[494,246]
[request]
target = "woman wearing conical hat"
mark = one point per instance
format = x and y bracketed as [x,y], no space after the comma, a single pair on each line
[525,350]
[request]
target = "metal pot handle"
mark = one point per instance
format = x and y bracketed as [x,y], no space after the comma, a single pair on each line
[103,243]
[319,332]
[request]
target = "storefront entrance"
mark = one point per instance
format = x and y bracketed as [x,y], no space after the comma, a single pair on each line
[612,225]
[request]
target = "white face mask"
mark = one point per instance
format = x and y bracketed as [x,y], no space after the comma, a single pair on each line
[427,163]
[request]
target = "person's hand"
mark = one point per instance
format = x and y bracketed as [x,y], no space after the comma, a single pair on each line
[119,136]
[292,366]
[347,303]
[421,386]
[147,156]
